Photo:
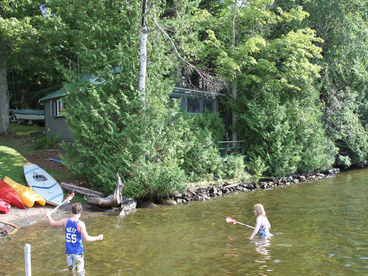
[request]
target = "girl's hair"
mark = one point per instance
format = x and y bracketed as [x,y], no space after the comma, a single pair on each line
[259,209]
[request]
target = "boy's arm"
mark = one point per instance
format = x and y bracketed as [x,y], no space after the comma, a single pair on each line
[61,222]
[85,236]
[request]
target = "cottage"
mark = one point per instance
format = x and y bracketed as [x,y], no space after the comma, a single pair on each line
[193,101]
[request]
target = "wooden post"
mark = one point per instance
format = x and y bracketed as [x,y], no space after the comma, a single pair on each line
[27,255]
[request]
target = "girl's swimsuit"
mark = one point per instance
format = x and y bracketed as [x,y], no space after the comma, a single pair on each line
[263,232]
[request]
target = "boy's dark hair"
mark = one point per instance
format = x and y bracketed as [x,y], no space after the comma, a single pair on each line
[77,208]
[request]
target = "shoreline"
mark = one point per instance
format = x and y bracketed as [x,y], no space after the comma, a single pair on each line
[265,183]
[29,216]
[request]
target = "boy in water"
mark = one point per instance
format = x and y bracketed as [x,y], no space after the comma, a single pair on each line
[75,231]
[262,226]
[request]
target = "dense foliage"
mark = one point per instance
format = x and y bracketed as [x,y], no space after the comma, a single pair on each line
[344,76]
[277,105]
[294,74]
[154,151]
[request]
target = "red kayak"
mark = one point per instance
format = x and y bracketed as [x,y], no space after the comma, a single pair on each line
[4,206]
[9,195]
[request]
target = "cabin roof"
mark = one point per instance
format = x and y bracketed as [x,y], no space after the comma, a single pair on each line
[178,91]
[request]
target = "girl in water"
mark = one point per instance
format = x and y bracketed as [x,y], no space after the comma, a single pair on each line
[262,226]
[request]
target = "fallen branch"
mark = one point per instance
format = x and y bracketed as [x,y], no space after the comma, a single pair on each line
[113,200]
[80,190]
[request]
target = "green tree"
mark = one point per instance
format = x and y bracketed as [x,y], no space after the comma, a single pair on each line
[112,131]
[344,81]
[272,62]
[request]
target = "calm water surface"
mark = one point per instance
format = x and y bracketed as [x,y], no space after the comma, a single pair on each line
[320,228]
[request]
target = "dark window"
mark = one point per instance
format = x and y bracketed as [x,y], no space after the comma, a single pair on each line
[193,105]
[209,105]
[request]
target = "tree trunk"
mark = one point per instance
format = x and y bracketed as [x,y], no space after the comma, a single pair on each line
[143,55]
[234,91]
[234,119]
[4,92]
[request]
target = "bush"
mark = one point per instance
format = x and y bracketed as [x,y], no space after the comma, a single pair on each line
[234,167]
[343,161]
[202,160]
[155,180]
[256,166]
[45,142]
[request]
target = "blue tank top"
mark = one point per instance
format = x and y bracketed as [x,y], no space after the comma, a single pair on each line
[73,238]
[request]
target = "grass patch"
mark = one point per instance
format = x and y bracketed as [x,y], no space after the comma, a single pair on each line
[24,130]
[12,149]
[11,164]
[20,139]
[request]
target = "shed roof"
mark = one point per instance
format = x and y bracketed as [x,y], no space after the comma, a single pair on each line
[54,95]
[64,91]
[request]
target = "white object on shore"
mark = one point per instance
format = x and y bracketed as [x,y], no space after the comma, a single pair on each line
[27,257]
[43,184]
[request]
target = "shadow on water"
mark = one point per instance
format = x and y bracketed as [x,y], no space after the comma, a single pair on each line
[320,228]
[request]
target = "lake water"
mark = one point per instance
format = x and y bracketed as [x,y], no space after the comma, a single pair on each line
[320,228]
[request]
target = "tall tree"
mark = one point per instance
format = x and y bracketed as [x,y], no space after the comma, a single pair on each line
[143,53]
[15,31]
[4,92]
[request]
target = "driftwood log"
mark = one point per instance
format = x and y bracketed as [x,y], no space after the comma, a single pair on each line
[113,200]
[80,190]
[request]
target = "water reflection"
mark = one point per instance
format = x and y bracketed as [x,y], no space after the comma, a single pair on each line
[262,247]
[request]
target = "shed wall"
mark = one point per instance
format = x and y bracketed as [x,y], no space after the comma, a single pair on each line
[56,125]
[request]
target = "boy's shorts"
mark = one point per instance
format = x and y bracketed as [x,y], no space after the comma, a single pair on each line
[76,263]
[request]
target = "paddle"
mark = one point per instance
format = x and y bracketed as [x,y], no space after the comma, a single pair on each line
[68,199]
[231,220]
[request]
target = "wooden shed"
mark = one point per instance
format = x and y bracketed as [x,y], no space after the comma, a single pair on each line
[55,123]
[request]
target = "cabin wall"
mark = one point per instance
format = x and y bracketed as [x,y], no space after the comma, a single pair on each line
[192,101]
[55,126]
[194,105]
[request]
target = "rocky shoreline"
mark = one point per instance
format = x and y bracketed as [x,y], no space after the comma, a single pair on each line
[212,191]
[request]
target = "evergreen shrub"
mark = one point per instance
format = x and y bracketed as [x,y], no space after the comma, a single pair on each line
[203,160]
[235,167]
[45,142]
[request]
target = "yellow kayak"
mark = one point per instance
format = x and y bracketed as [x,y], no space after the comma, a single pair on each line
[26,194]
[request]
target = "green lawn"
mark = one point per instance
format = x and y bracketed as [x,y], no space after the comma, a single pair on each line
[24,130]
[11,164]
[12,148]
[20,139]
